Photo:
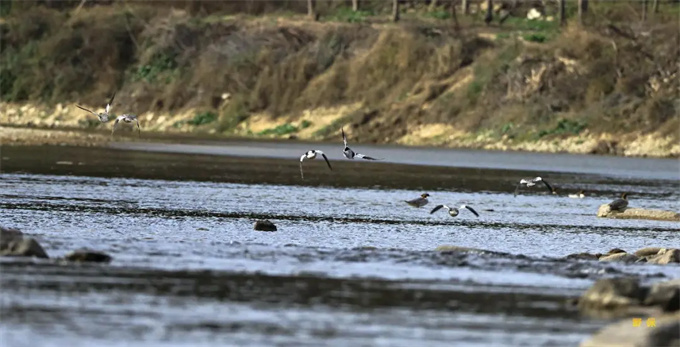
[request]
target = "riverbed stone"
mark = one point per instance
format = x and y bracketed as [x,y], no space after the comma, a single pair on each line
[620,257]
[665,256]
[459,249]
[264,225]
[24,247]
[612,293]
[647,251]
[665,331]
[665,295]
[85,255]
[7,235]
[13,243]
[605,211]
[584,256]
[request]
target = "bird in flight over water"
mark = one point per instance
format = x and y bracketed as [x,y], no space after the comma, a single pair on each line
[349,153]
[103,116]
[454,211]
[128,119]
[532,182]
[312,155]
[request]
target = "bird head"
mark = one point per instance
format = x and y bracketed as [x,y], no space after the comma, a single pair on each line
[424,195]
[624,196]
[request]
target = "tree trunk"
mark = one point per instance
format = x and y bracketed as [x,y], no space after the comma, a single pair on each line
[582,10]
[563,12]
[311,11]
[395,10]
[489,12]
[433,4]
[355,5]
[466,7]
[655,6]
[454,15]
[644,10]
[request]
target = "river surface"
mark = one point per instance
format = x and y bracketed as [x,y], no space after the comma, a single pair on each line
[351,263]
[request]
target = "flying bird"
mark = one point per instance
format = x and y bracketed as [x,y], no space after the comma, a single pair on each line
[619,204]
[580,195]
[312,155]
[128,119]
[349,153]
[103,116]
[454,211]
[532,182]
[419,202]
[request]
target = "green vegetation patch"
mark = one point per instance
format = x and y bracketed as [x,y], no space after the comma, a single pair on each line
[346,14]
[285,129]
[564,127]
[203,118]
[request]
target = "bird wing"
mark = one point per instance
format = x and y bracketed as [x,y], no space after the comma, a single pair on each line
[115,124]
[548,185]
[84,109]
[471,209]
[436,208]
[361,156]
[344,138]
[325,158]
[108,105]
[517,188]
[302,158]
[139,130]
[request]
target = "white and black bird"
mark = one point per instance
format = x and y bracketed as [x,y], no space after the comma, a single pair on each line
[419,202]
[103,116]
[532,182]
[312,155]
[579,195]
[619,204]
[454,211]
[349,153]
[127,119]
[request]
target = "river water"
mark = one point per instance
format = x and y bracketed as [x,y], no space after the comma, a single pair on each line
[351,262]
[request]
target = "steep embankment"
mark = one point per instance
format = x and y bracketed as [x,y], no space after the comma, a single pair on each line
[604,89]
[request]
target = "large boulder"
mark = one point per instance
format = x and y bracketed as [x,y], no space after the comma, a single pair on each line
[665,256]
[661,330]
[605,211]
[612,293]
[14,244]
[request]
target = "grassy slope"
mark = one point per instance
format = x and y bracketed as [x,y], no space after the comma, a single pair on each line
[526,85]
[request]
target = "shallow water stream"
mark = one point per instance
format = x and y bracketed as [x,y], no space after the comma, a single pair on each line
[350,264]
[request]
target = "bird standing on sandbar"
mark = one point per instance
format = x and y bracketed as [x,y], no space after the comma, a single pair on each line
[312,155]
[580,195]
[419,202]
[349,153]
[619,204]
[454,211]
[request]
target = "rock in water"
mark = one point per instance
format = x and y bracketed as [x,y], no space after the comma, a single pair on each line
[84,255]
[665,256]
[661,330]
[264,225]
[13,243]
[605,211]
[612,293]
[620,257]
